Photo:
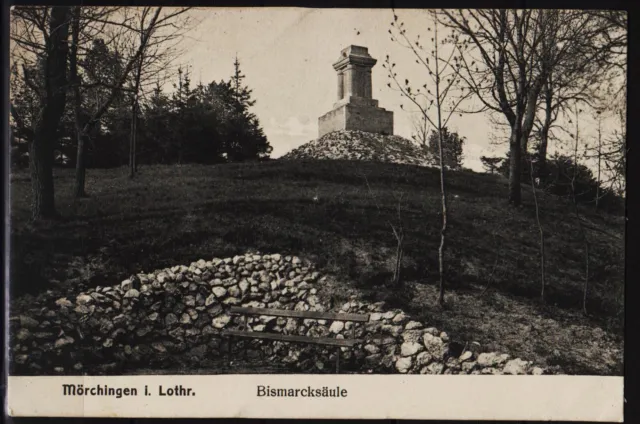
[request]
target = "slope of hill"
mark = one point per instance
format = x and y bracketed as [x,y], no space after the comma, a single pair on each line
[337,214]
[360,145]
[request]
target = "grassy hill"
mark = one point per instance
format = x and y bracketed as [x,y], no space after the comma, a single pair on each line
[337,214]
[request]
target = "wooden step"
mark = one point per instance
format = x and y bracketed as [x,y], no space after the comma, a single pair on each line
[292,338]
[331,316]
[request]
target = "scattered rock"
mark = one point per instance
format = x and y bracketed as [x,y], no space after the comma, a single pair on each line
[516,367]
[537,371]
[371,349]
[400,318]
[434,345]
[23,334]
[413,325]
[433,368]
[133,293]
[220,321]
[336,327]
[403,365]
[83,299]
[465,356]
[491,359]
[219,291]
[412,335]
[423,358]
[410,348]
[64,302]
[64,341]
[28,322]
[376,316]
[170,319]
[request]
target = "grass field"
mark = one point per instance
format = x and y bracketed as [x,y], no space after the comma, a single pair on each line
[337,213]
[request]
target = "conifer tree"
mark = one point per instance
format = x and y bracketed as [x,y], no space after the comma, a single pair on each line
[242,94]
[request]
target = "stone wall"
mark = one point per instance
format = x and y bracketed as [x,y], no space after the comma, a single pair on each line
[173,318]
[375,120]
[355,117]
[333,120]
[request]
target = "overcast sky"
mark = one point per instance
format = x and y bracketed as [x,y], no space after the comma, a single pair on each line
[287,56]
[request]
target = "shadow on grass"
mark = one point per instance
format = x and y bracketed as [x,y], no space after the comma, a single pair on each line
[319,209]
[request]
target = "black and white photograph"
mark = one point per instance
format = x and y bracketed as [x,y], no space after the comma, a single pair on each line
[202,191]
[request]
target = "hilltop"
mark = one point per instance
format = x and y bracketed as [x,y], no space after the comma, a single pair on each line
[360,145]
[336,213]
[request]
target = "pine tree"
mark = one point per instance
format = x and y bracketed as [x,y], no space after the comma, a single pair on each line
[491,164]
[180,105]
[242,94]
[245,140]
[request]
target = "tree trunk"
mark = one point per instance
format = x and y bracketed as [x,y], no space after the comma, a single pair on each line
[443,193]
[42,148]
[81,168]
[443,230]
[576,210]
[135,149]
[541,241]
[541,171]
[134,112]
[599,160]
[515,168]
[77,105]
[544,132]
[132,138]
[399,255]
[41,167]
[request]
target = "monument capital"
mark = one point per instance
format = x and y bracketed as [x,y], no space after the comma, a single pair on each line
[354,55]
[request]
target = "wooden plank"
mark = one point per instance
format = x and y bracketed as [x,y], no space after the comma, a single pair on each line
[238,310]
[292,338]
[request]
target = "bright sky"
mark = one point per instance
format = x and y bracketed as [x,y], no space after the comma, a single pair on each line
[287,56]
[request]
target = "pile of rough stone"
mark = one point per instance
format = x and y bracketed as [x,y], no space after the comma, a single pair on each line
[173,318]
[359,145]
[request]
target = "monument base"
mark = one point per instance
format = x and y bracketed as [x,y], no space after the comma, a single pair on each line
[354,117]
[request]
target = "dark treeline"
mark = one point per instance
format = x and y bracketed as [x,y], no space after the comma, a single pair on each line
[559,172]
[201,123]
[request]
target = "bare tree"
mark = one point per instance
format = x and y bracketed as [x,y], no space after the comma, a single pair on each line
[506,58]
[612,149]
[121,27]
[443,71]
[581,75]
[583,232]
[613,54]
[155,59]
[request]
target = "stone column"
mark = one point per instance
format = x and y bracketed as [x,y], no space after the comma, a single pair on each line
[348,81]
[355,81]
[367,85]
[359,81]
[340,86]
[355,88]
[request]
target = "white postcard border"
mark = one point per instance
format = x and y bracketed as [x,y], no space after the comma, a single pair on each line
[495,397]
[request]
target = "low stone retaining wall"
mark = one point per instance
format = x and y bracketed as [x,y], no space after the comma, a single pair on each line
[173,317]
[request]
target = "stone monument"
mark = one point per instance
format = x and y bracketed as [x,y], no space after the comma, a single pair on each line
[355,108]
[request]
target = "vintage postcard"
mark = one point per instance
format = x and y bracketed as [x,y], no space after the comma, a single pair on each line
[317,213]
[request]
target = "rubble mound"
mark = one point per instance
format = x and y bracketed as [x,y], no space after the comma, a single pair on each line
[173,318]
[360,145]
